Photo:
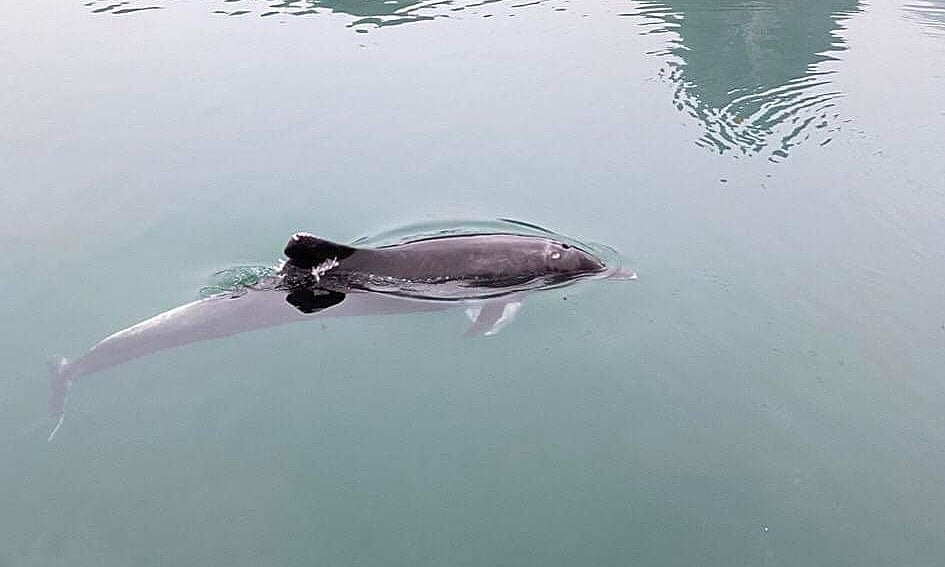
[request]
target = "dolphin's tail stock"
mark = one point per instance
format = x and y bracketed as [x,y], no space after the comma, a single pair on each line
[59,384]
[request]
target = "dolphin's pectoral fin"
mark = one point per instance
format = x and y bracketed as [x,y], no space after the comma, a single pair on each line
[491,317]
[309,300]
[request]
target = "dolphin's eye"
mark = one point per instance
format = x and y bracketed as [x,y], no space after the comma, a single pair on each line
[555,255]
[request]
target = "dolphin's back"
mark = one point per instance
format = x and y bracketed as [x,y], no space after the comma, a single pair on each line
[481,257]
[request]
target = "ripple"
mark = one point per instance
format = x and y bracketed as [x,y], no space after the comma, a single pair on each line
[755,74]
[118,7]
[363,14]
[456,227]
[931,13]
[237,279]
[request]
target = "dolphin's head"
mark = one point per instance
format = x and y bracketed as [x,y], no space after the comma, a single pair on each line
[569,260]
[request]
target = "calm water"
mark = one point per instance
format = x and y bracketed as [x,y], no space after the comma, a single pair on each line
[769,392]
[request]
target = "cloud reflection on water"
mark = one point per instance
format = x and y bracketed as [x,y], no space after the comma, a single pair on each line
[931,13]
[753,73]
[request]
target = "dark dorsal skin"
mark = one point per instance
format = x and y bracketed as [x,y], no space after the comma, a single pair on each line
[480,260]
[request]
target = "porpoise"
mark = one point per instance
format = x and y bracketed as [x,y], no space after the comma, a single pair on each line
[487,273]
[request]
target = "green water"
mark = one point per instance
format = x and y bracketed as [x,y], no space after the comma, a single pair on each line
[769,392]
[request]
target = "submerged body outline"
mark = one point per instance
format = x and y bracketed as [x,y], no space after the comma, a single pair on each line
[488,274]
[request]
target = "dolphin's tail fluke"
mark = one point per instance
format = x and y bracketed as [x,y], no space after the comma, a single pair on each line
[59,384]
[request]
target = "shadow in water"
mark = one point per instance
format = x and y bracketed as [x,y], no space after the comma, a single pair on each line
[931,13]
[752,71]
[365,13]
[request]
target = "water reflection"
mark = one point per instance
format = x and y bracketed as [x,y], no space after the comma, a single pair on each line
[752,71]
[366,13]
[117,7]
[930,12]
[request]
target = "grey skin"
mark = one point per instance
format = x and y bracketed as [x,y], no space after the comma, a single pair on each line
[441,268]
[489,274]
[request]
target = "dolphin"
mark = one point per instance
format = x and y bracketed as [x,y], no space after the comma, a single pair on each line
[488,273]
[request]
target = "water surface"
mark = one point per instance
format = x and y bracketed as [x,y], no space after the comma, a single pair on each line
[768,393]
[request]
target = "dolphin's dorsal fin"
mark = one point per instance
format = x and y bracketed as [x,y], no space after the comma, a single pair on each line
[307,251]
[491,317]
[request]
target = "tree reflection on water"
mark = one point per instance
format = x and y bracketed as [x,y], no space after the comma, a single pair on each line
[755,74]
[752,72]
[366,13]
